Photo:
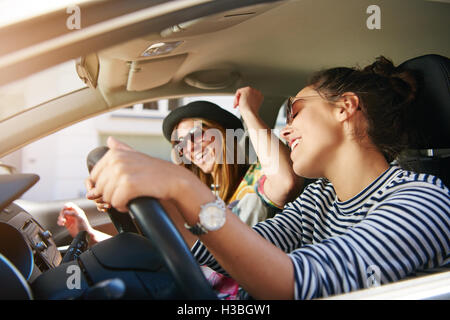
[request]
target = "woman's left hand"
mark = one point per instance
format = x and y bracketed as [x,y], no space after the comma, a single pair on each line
[124,174]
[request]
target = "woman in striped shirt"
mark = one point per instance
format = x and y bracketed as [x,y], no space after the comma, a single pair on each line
[363,222]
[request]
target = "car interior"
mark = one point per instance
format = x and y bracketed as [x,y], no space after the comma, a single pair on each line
[145,51]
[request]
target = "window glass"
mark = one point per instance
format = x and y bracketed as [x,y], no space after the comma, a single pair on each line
[40,87]
[60,159]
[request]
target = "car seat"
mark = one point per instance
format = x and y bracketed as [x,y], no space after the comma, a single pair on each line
[429,142]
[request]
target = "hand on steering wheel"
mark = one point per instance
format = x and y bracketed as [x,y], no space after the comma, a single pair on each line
[150,217]
[100,204]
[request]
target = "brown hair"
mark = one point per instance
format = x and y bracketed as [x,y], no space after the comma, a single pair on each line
[384,93]
[226,175]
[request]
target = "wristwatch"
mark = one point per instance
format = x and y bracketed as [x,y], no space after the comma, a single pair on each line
[212,217]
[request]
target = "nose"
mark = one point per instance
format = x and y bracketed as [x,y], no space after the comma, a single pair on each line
[286,132]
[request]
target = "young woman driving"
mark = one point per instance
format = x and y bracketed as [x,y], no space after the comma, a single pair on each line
[345,127]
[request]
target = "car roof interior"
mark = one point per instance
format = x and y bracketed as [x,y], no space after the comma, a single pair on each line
[272,45]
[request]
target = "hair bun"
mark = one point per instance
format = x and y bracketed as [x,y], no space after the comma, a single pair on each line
[404,83]
[382,66]
[401,81]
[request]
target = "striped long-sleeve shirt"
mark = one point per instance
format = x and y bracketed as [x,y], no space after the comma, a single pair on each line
[395,227]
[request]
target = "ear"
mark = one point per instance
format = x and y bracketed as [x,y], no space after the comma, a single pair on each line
[347,106]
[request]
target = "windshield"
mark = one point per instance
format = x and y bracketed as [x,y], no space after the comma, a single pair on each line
[38,88]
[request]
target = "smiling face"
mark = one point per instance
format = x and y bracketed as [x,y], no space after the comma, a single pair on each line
[313,135]
[201,148]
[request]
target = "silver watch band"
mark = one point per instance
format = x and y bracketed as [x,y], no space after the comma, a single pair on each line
[198,229]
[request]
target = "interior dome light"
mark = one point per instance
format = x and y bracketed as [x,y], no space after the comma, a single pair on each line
[160,48]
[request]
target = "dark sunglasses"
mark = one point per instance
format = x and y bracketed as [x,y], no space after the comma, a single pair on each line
[292,101]
[291,104]
[195,136]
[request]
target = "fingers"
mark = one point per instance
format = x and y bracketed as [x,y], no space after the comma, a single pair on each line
[121,199]
[122,175]
[96,186]
[101,205]
[237,96]
[67,211]
[61,221]
[89,184]
[90,187]
[80,212]
[111,167]
[248,98]
[65,219]
[113,143]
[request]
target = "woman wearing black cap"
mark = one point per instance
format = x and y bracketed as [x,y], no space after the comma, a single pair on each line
[203,138]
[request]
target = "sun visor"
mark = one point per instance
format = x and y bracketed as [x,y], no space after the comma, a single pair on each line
[147,74]
[88,69]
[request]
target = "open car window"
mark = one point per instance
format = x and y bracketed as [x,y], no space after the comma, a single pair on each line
[41,87]
[60,158]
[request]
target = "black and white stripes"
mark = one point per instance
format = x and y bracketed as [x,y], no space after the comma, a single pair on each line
[399,225]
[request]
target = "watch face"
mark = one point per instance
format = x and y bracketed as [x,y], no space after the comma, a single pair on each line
[212,217]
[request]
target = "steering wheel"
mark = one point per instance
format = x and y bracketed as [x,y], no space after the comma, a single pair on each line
[154,223]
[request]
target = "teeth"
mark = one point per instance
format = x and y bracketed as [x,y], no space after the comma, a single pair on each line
[296,142]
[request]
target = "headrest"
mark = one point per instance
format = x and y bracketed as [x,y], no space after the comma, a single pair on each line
[430,114]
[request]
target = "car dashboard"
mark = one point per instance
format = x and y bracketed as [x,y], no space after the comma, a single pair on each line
[126,266]
[37,252]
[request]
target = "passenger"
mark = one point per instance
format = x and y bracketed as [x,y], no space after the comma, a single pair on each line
[247,190]
[253,192]
[345,127]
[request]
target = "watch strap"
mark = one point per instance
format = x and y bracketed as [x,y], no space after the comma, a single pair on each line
[198,229]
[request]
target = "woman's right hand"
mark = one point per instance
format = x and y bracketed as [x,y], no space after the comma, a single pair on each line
[124,174]
[101,205]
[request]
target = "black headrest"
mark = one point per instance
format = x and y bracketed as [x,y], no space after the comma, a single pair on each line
[430,115]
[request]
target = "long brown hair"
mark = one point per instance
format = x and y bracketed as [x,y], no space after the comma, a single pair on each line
[226,174]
